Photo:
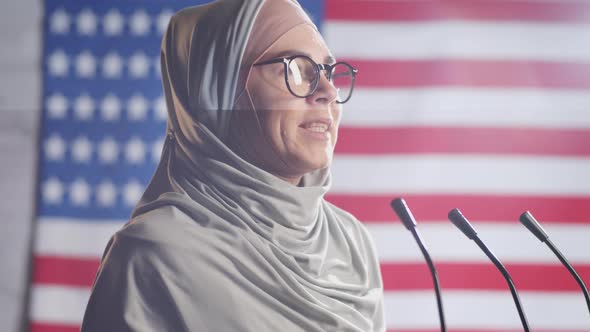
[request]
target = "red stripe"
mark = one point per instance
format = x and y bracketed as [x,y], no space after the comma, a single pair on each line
[53,327]
[522,141]
[396,276]
[476,73]
[64,270]
[46,327]
[478,208]
[426,10]
[480,330]
[526,277]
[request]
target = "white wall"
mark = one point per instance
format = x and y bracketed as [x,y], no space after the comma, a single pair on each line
[20,87]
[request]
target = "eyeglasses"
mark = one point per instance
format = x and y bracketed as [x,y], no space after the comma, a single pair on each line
[302,76]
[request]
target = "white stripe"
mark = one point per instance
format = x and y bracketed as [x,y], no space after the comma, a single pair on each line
[459,40]
[468,108]
[72,237]
[493,310]
[511,243]
[56,304]
[461,174]
[415,309]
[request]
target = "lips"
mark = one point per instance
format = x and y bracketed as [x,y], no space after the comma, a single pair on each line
[318,125]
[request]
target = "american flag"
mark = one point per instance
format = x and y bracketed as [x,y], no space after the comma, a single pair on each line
[478,104]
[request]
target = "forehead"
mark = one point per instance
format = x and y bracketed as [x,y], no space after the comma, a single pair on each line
[302,39]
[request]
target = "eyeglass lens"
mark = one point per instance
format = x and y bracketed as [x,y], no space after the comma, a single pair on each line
[302,77]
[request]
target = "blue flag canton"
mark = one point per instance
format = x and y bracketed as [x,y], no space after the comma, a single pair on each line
[104,114]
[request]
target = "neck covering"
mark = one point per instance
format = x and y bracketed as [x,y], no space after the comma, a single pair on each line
[216,243]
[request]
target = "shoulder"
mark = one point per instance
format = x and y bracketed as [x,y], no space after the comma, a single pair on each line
[152,268]
[162,238]
[161,225]
[169,226]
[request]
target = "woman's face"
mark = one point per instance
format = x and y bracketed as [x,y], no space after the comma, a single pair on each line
[292,136]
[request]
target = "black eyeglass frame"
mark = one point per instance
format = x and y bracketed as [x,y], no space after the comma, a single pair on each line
[286,61]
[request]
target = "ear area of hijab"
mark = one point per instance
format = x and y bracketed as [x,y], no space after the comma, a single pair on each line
[274,20]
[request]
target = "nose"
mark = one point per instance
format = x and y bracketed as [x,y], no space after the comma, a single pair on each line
[325,93]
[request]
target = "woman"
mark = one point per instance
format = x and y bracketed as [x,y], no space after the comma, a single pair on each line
[233,232]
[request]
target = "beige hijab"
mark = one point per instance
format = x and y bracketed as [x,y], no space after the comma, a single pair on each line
[217,244]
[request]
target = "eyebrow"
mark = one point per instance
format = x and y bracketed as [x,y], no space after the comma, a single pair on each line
[328,59]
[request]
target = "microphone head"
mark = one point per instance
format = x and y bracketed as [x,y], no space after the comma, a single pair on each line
[533,225]
[404,214]
[457,218]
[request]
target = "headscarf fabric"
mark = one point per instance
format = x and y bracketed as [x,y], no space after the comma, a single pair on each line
[216,243]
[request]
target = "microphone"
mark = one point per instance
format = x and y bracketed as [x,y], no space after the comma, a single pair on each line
[400,207]
[533,225]
[463,224]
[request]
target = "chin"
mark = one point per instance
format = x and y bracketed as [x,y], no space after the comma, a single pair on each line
[309,155]
[314,161]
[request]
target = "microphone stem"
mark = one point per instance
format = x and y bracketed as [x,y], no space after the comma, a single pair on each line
[434,274]
[504,272]
[571,270]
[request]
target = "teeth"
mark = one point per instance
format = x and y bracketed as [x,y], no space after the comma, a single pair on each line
[317,127]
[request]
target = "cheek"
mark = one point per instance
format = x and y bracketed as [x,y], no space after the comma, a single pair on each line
[336,112]
[276,127]
[279,115]
[268,93]
[286,136]
[336,116]
[288,130]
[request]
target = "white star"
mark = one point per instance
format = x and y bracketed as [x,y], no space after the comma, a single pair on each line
[160,107]
[112,65]
[86,22]
[135,151]
[108,151]
[163,20]
[58,63]
[113,23]
[106,193]
[57,106]
[82,149]
[110,108]
[85,64]
[139,65]
[55,148]
[137,107]
[157,150]
[53,191]
[132,192]
[59,23]
[84,107]
[140,23]
[79,192]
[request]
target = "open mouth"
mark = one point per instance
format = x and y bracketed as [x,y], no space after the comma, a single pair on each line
[316,127]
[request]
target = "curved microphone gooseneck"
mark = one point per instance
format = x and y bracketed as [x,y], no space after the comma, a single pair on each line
[534,227]
[400,207]
[463,224]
